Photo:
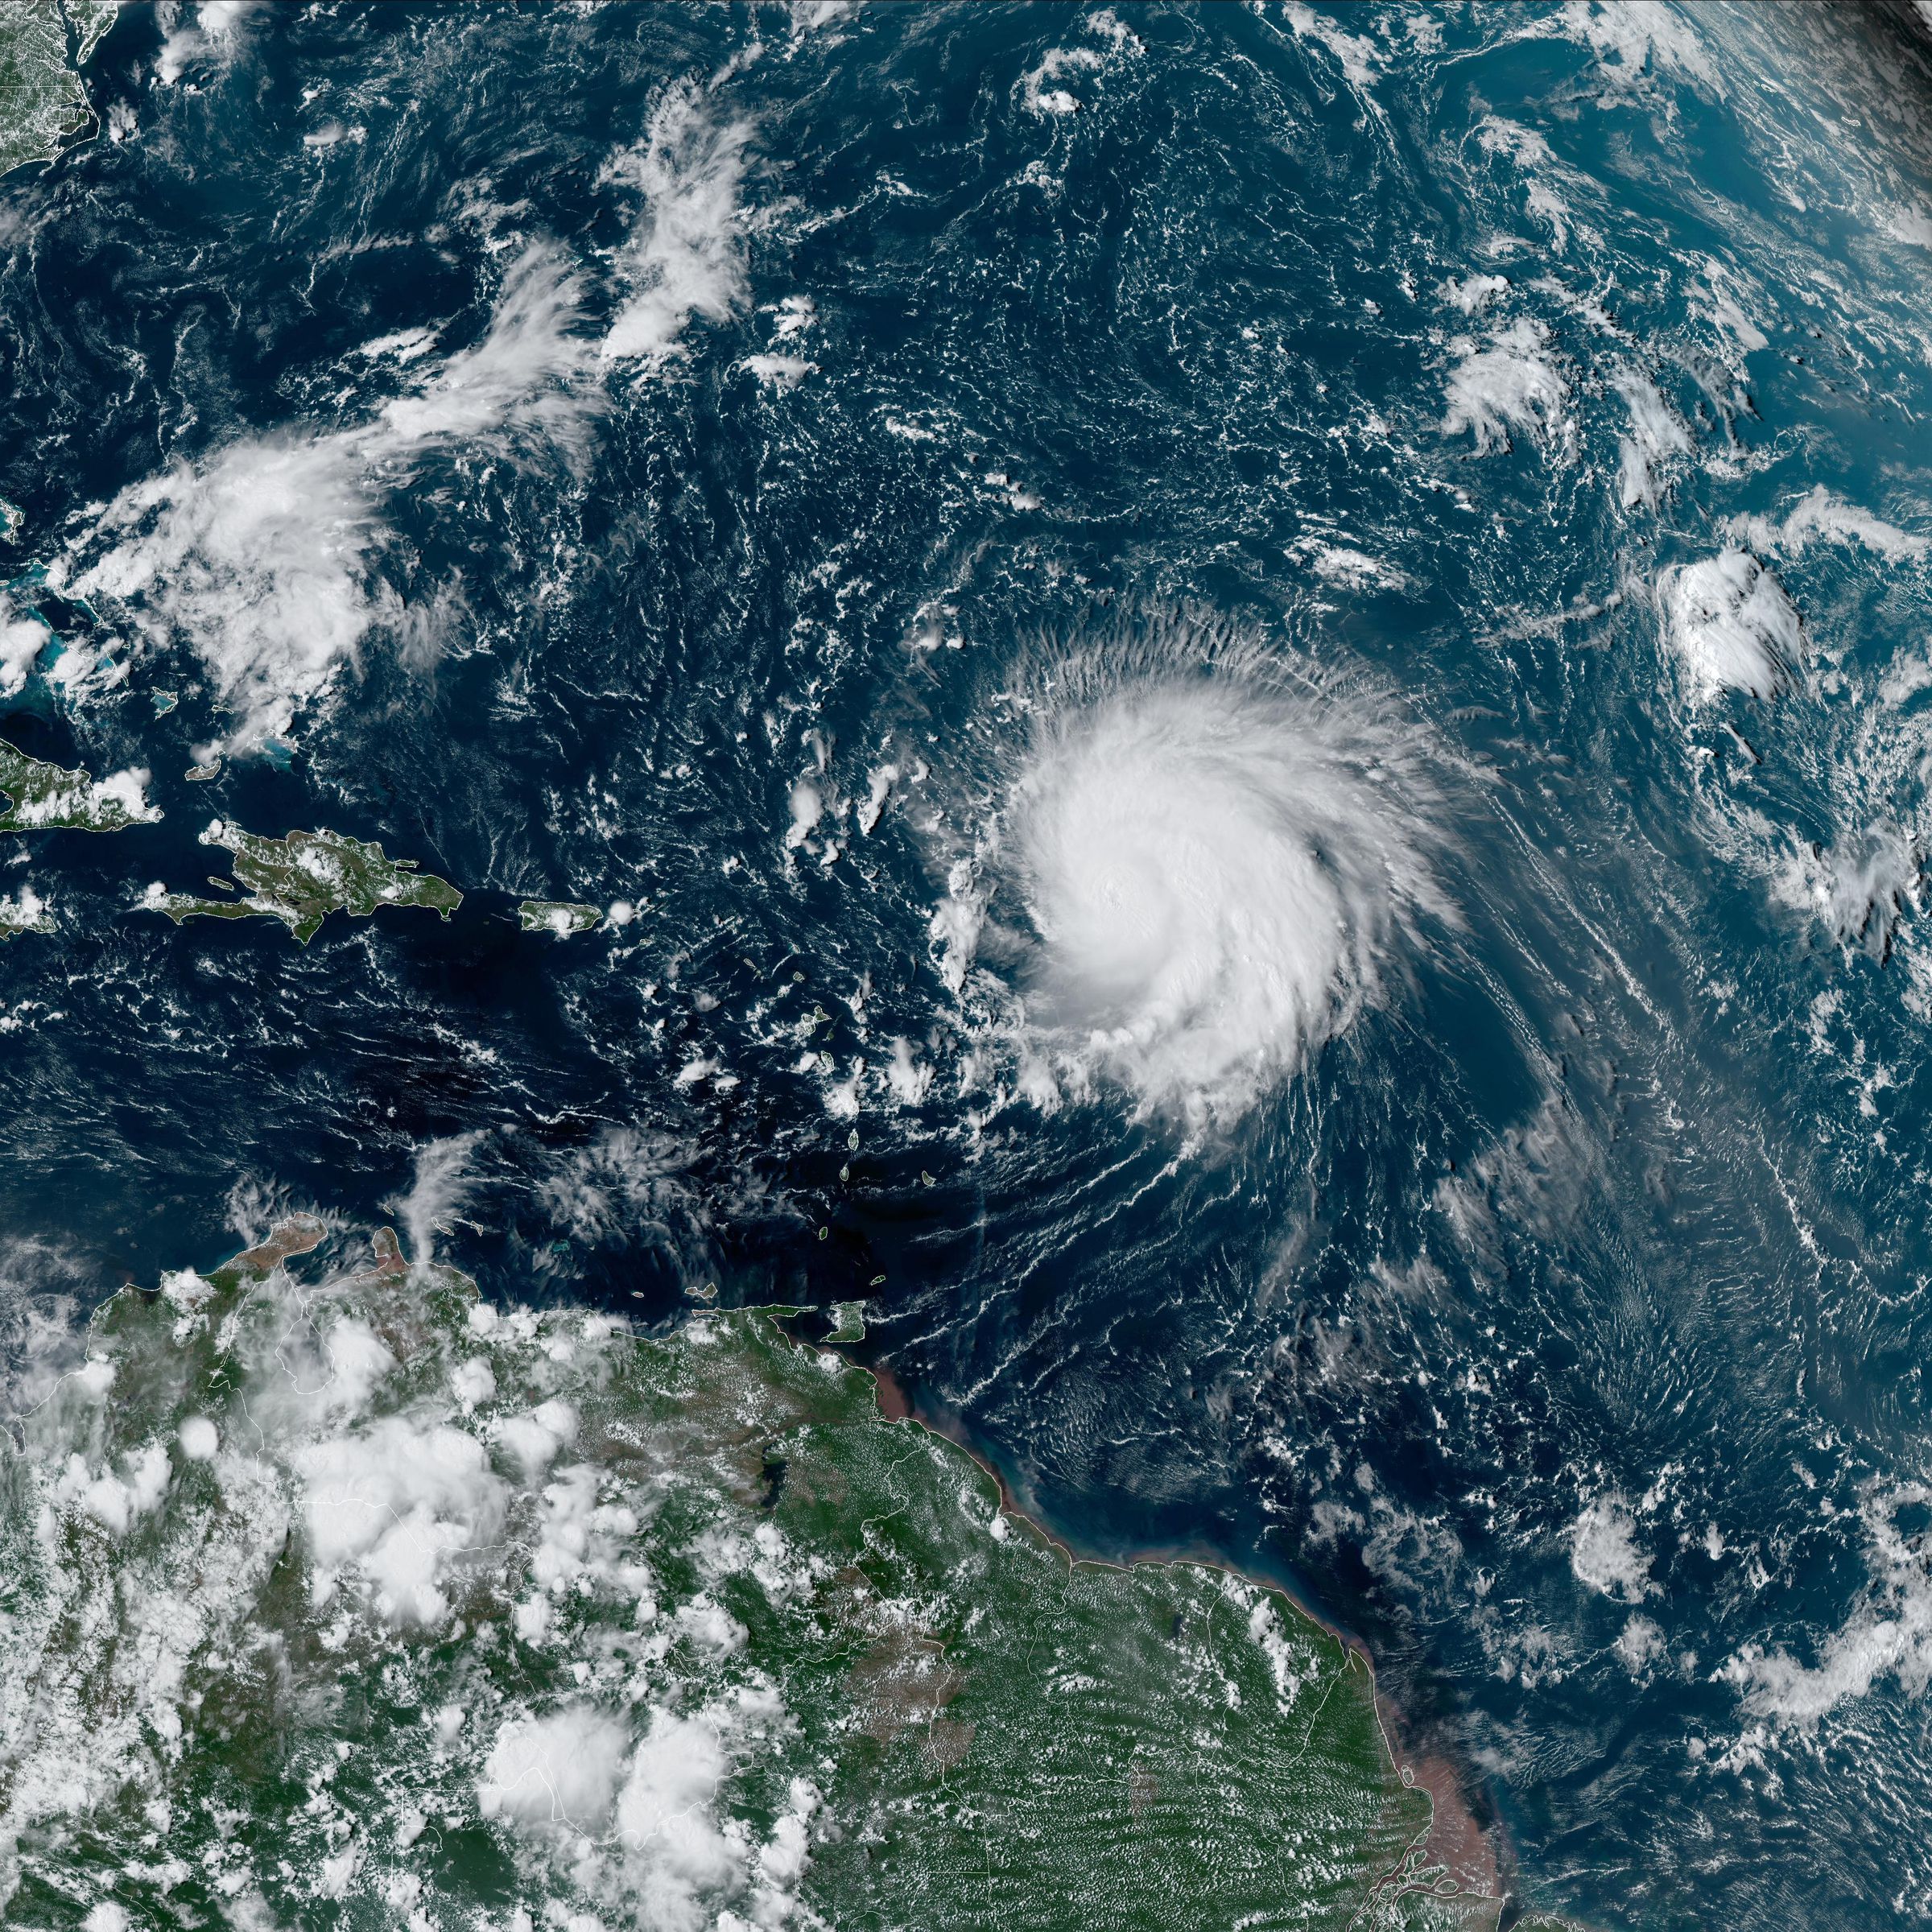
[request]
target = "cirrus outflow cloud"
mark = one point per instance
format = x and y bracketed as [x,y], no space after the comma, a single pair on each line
[1732,625]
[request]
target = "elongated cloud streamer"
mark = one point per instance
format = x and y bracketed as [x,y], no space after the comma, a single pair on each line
[262,555]
[686,256]
[265,554]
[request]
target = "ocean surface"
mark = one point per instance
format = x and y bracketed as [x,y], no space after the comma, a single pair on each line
[1252,691]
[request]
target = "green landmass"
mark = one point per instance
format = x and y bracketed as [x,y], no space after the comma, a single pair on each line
[560,916]
[43,104]
[24,911]
[91,20]
[847,1321]
[302,878]
[355,1602]
[48,798]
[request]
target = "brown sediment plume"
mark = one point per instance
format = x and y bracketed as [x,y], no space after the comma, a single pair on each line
[894,1404]
[1456,1838]
[1454,1861]
[1455,1849]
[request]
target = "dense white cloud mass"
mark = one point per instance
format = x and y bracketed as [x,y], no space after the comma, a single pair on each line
[265,554]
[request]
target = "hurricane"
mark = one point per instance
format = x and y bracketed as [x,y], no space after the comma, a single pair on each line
[1209,729]
[1212,872]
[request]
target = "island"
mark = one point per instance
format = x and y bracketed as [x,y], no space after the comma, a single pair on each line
[23,911]
[560,916]
[49,798]
[302,878]
[46,106]
[333,1593]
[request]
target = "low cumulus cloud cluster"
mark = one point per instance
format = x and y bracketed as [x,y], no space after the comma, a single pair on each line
[265,554]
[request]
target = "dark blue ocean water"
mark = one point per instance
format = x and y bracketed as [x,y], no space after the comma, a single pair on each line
[595,451]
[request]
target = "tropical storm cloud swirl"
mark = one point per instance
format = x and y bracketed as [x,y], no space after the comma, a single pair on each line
[1231,709]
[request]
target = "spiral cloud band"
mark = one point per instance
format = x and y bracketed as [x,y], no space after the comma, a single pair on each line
[1214,871]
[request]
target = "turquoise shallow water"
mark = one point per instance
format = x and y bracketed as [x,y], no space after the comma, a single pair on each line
[1440,1116]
